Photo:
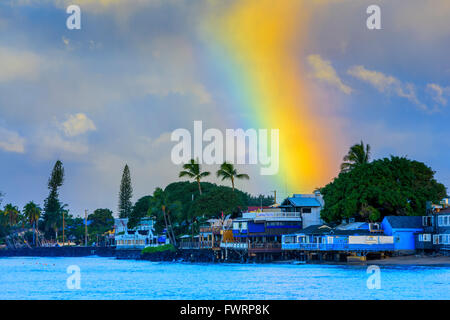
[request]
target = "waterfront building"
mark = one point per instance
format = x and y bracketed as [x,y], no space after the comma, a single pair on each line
[138,238]
[436,229]
[308,206]
[261,232]
[210,235]
[358,238]
[404,229]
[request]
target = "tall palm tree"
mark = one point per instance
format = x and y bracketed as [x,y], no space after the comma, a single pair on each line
[32,213]
[228,172]
[12,212]
[357,155]
[160,203]
[192,170]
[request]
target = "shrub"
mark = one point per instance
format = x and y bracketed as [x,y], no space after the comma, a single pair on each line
[165,247]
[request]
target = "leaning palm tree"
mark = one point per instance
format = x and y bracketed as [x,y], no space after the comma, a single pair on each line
[12,212]
[160,203]
[357,155]
[192,170]
[32,213]
[228,172]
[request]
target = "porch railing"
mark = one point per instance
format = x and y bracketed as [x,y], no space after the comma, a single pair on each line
[196,245]
[338,247]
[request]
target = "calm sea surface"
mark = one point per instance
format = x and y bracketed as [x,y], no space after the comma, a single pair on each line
[108,278]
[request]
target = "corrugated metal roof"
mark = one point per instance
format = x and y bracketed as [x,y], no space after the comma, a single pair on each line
[304,202]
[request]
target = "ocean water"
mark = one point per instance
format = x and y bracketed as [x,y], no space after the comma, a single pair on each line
[108,278]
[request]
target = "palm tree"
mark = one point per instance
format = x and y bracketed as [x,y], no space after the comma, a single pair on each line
[12,212]
[357,155]
[32,213]
[228,172]
[160,203]
[192,170]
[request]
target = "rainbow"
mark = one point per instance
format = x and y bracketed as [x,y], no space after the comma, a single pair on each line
[257,45]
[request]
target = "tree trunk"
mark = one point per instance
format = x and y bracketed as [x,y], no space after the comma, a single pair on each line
[199,187]
[171,229]
[167,226]
[34,233]
[63,230]
[232,183]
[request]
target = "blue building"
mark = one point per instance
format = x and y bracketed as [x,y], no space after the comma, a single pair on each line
[354,237]
[404,229]
[436,229]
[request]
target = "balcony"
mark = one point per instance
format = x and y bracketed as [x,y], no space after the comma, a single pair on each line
[196,245]
[338,247]
[278,215]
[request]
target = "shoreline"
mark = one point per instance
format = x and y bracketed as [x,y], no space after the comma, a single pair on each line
[203,257]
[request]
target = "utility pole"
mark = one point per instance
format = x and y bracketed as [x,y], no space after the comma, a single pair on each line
[63,227]
[85,228]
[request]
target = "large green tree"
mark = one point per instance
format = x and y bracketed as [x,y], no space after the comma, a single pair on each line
[193,170]
[222,200]
[32,213]
[101,220]
[389,186]
[139,211]
[12,213]
[53,209]
[161,206]
[125,194]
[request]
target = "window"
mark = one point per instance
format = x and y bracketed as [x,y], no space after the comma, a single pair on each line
[427,237]
[426,221]
[289,239]
[306,210]
[435,239]
[445,221]
[440,221]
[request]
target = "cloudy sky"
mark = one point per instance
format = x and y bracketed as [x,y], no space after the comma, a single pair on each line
[112,92]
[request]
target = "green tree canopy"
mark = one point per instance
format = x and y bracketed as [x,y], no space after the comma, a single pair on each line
[223,199]
[389,186]
[53,209]
[227,171]
[32,212]
[163,208]
[125,194]
[139,211]
[12,213]
[193,170]
[101,220]
[357,155]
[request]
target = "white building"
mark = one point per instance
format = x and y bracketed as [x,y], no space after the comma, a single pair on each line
[308,206]
[138,238]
